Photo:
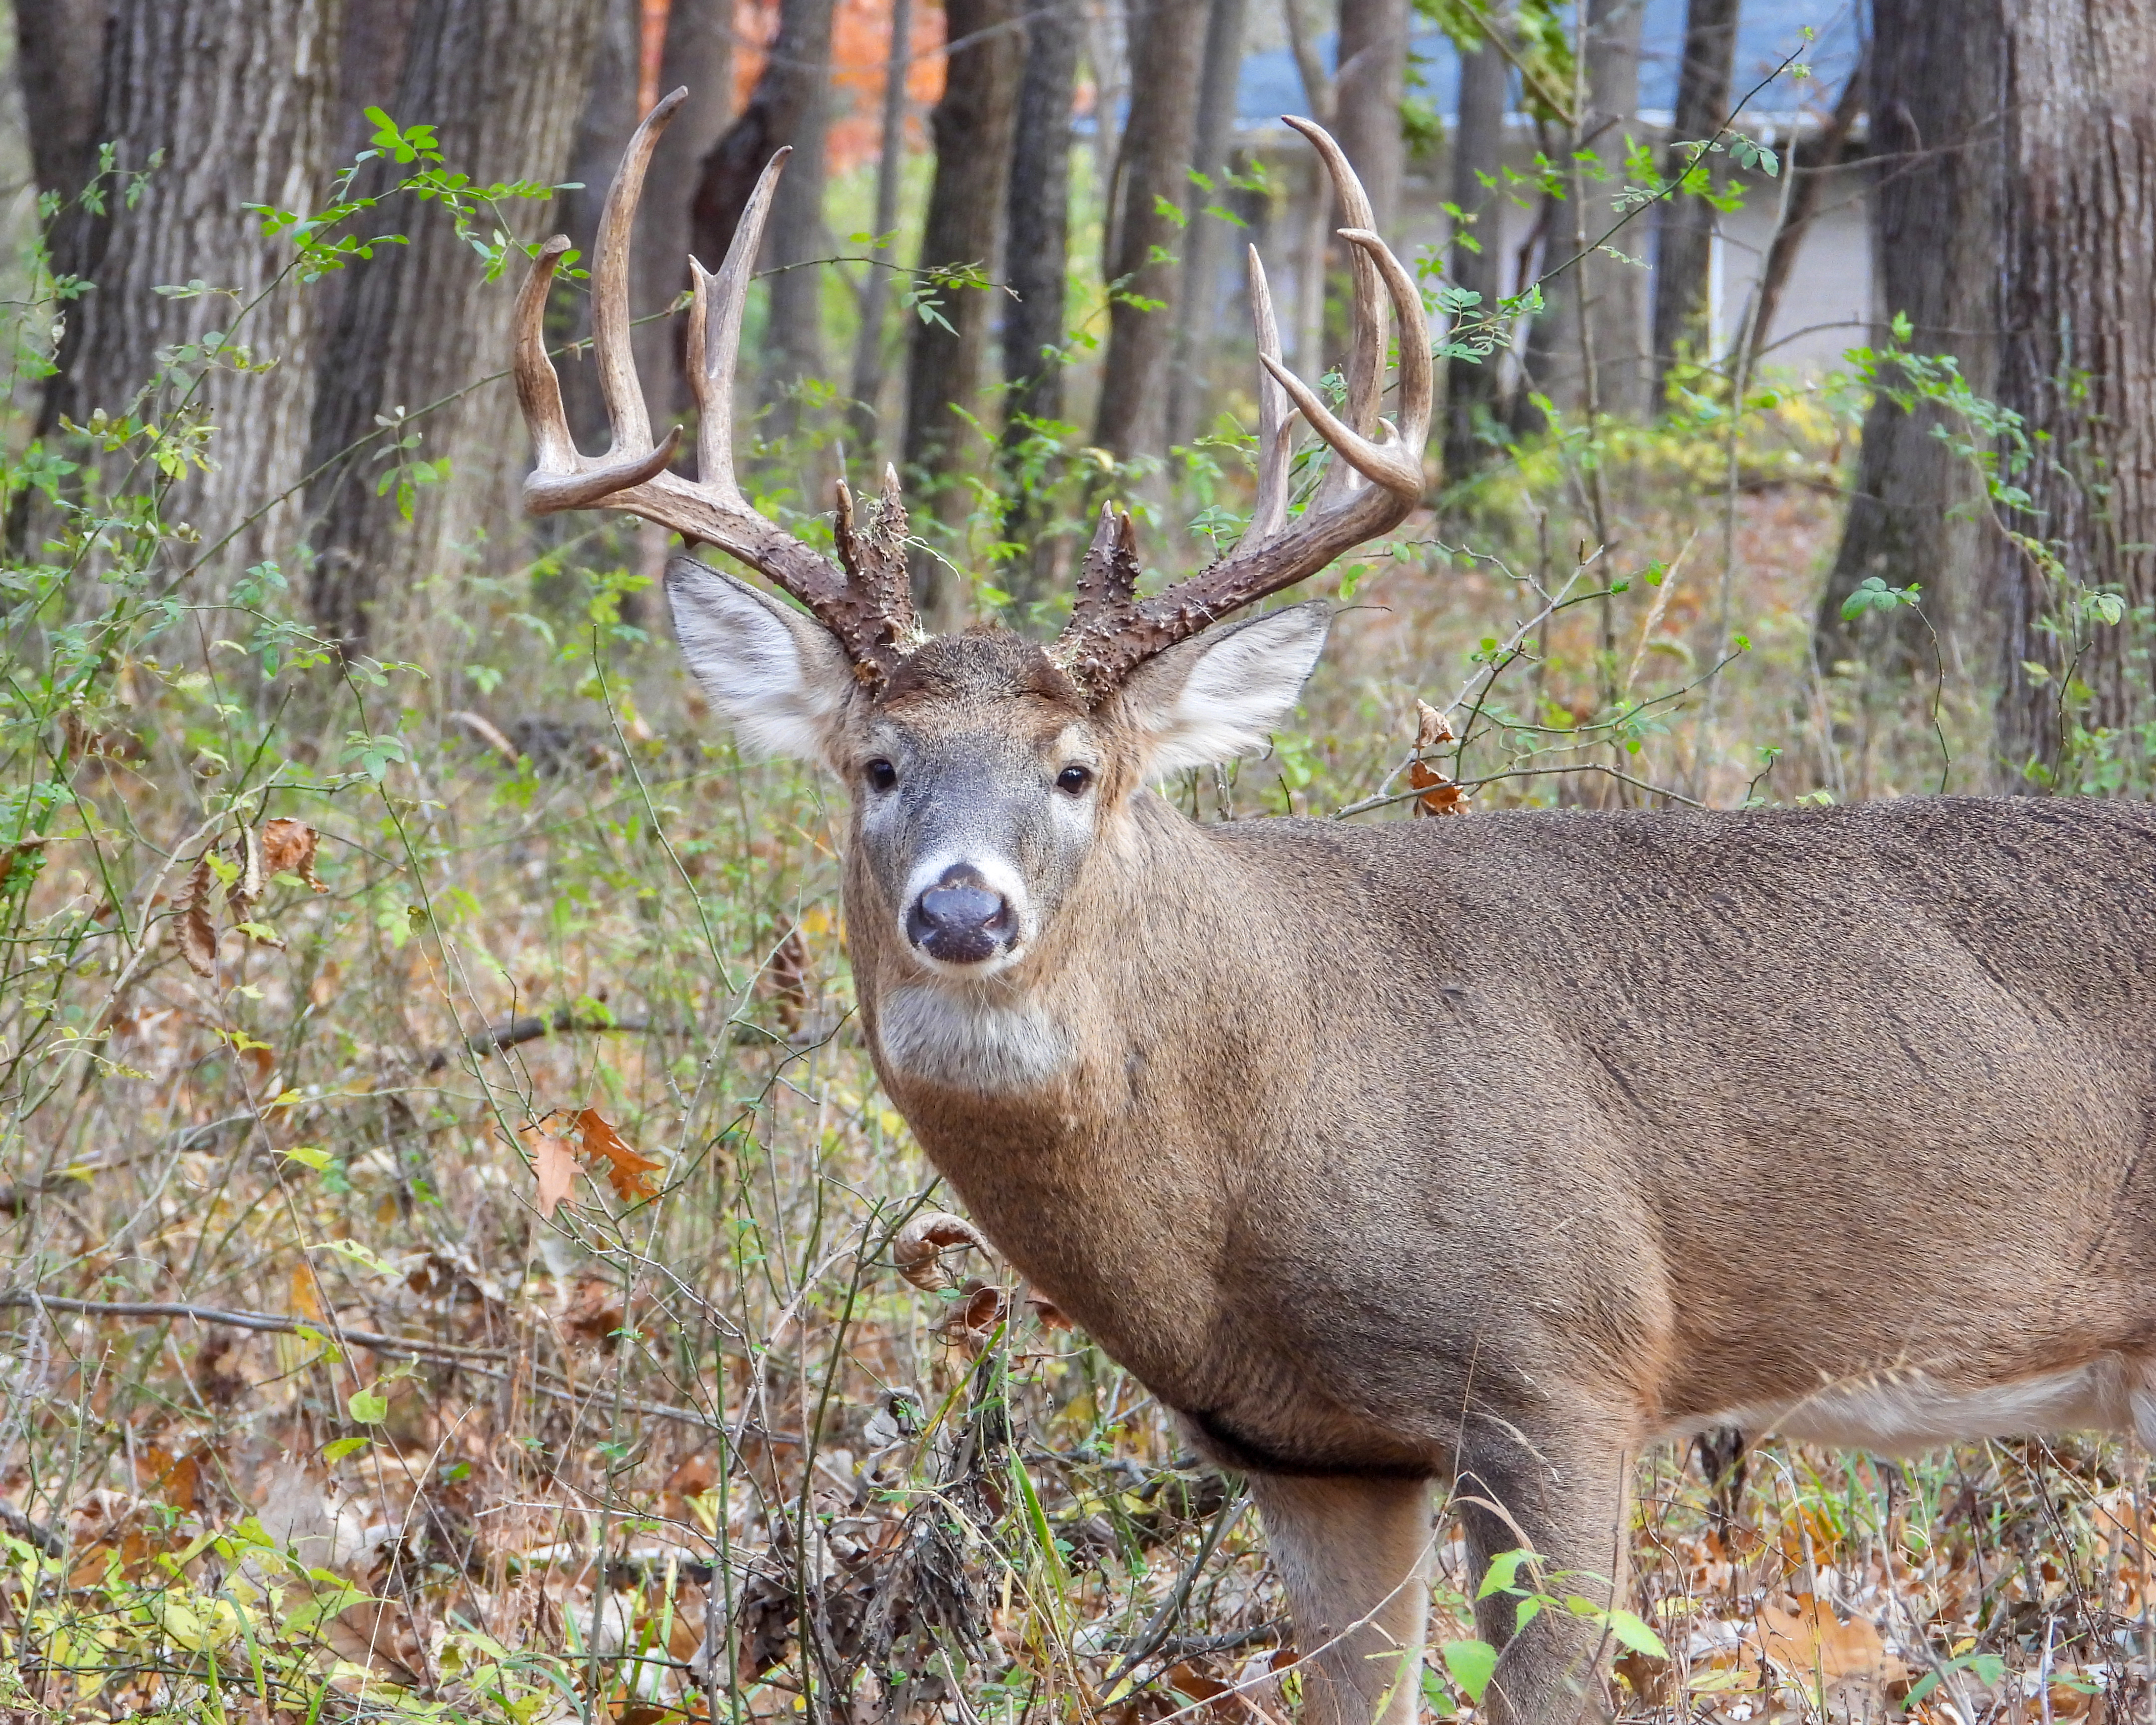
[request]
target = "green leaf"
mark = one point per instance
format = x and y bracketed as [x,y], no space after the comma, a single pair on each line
[1472,1664]
[1634,1633]
[308,1156]
[369,1407]
[1502,1568]
[335,1452]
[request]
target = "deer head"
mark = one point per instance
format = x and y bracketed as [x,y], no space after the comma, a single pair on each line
[986,769]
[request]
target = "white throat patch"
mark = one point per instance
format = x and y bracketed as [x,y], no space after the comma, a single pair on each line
[955,1038]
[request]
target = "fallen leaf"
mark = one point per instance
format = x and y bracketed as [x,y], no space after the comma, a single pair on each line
[1811,1644]
[1439,794]
[595,1311]
[1432,727]
[918,1249]
[194,930]
[287,848]
[625,1168]
[555,1165]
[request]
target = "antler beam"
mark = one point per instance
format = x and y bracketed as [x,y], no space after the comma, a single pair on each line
[865,604]
[1373,486]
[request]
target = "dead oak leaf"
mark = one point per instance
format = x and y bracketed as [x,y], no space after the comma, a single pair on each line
[287,848]
[1432,727]
[625,1170]
[1439,794]
[554,1165]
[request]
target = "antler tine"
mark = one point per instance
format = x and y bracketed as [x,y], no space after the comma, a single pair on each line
[1105,641]
[871,616]
[1276,440]
[566,479]
[715,324]
[1366,360]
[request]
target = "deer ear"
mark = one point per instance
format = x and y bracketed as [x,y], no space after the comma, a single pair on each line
[1220,694]
[777,677]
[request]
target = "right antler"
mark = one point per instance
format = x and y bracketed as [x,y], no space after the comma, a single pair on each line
[866,604]
[1372,487]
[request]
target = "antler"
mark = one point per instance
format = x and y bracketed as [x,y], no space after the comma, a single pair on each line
[1371,488]
[866,604]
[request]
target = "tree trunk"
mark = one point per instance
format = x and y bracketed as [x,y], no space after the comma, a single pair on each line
[1036,268]
[61,44]
[1370,86]
[234,95]
[1169,39]
[1477,154]
[869,340]
[972,128]
[1591,348]
[786,107]
[1935,80]
[2078,362]
[795,333]
[1684,231]
[699,58]
[608,120]
[503,81]
[1206,239]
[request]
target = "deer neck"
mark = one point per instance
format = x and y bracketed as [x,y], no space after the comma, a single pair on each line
[1098,1106]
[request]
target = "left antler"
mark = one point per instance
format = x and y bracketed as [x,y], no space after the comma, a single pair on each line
[866,604]
[1371,489]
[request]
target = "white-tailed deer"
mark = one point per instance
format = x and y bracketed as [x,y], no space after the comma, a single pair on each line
[1488,1151]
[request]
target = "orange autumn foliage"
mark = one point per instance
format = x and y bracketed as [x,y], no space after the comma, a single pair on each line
[860,40]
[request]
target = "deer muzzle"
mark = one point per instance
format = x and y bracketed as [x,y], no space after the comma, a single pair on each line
[961,919]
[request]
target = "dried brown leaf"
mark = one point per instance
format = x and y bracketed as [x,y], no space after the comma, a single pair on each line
[1439,794]
[554,1163]
[918,1249]
[787,979]
[1432,727]
[194,929]
[287,848]
[625,1170]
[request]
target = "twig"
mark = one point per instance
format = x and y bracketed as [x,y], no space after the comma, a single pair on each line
[1156,1631]
[52,1544]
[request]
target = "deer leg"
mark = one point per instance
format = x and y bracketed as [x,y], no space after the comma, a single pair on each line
[1353,1553]
[1565,1498]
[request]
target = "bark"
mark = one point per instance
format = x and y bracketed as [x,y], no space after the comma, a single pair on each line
[1478,146]
[699,58]
[1036,269]
[1589,349]
[370,62]
[868,341]
[1685,230]
[1207,241]
[2078,362]
[1168,40]
[503,81]
[608,120]
[786,107]
[1369,87]
[795,333]
[1935,94]
[61,44]
[972,128]
[235,97]
[1306,345]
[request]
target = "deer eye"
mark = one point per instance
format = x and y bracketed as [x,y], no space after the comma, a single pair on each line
[1073,780]
[880,774]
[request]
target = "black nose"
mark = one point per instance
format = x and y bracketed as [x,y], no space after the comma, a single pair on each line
[959,920]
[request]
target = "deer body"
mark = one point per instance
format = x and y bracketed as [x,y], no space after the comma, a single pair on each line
[1485,1150]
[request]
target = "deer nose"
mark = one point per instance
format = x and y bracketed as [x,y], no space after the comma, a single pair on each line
[960,920]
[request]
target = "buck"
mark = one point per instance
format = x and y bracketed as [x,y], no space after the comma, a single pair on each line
[1485,1150]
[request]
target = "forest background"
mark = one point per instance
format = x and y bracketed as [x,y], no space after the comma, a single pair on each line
[455,1252]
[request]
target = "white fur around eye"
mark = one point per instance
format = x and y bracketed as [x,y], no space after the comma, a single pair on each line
[1223,694]
[777,678]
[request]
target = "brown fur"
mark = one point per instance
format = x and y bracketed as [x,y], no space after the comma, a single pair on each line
[1497,1148]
